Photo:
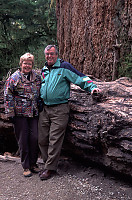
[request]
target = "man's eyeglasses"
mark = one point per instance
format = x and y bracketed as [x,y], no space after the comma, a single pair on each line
[47,54]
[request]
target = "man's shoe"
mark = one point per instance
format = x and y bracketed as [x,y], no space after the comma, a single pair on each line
[41,172]
[46,174]
[27,173]
[35,169]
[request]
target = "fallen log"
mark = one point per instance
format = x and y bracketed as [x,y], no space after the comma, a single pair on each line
[99,129]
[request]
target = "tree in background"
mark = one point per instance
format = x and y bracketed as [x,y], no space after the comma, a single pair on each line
[95,36]
[25,26]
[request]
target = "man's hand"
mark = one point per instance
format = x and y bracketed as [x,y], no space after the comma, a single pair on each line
[96,91]
[96,94]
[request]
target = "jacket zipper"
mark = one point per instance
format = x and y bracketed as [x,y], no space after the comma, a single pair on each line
[47,85]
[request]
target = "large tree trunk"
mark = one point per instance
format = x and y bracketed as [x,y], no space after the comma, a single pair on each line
[99,130]
[88,31]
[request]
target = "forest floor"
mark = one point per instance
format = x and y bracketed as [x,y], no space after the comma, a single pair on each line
[74,181]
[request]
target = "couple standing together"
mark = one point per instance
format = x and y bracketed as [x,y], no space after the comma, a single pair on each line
[42,130]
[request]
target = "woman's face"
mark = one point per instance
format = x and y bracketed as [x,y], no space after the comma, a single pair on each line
[26,66]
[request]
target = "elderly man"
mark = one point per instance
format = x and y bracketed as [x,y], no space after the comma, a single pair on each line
[55,92]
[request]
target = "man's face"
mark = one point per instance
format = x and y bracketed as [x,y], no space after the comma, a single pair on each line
[51,56]
[26,66]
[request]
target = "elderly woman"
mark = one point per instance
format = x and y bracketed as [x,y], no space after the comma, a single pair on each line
[21,95]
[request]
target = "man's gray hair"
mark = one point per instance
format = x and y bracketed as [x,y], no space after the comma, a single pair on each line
[49,47]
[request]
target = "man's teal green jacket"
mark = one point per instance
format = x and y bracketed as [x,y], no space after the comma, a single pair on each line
[55,87]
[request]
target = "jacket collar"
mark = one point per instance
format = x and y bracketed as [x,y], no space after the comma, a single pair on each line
[32,77]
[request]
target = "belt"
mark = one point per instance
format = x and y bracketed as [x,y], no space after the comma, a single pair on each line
[53,105]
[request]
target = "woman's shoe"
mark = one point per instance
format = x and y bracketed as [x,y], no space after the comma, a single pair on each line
[27,173]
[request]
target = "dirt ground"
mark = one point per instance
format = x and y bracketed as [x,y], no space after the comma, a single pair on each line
[74,181]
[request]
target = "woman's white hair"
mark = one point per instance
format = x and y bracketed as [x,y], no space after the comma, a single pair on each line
[26,56]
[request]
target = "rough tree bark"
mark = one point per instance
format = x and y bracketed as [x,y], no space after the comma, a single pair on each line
[99,130]
[87,31]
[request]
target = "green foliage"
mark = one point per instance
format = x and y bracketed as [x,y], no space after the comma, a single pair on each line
[126,67]
[25,26]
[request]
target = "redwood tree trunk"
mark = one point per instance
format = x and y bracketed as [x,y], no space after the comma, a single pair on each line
[88,30]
